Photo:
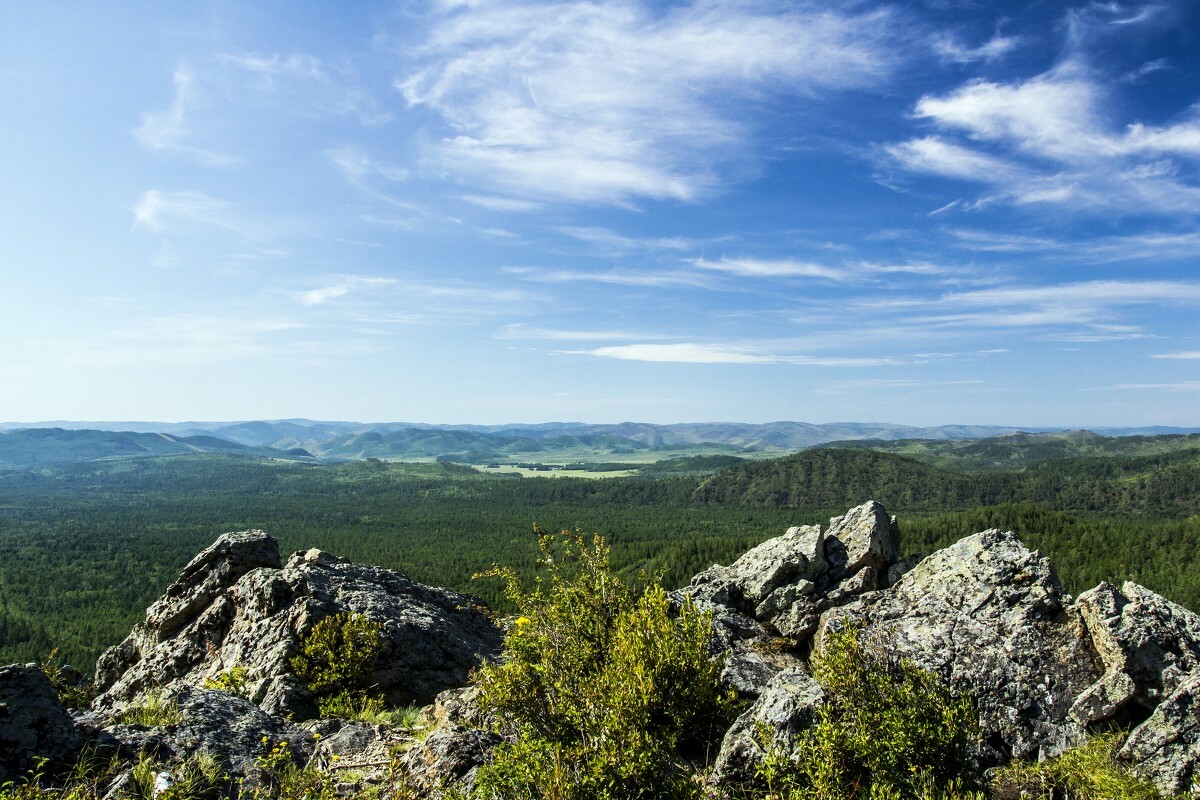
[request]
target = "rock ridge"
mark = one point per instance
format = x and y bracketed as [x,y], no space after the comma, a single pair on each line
[986,615]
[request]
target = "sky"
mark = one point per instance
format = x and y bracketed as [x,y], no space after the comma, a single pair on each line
[929,212]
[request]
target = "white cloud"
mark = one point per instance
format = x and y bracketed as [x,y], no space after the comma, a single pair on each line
[1051,140]
[951,49]
[157,210]
[613,241]
[615,277]
[273,65]
[1188,355]
[610,102]
[1184,386]
[501,203]
[170,129]
[781,268]
[357,165]
[935,155]
[695,353]
[315,297]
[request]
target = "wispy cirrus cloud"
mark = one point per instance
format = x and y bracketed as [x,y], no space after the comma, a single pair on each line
[171,129]
[612,241]
[776,268]
[608,103]
[1186,355]
[701,353]
[1048,140]
[950,48]
[159,210]
[347,284]
[617,277]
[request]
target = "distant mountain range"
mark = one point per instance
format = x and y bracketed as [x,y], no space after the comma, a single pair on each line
[46,443]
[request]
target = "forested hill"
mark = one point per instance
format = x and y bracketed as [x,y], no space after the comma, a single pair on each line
[1167,483]
[1017,450]
[41,447]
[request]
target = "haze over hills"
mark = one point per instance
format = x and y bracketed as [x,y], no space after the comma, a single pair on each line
[39,444]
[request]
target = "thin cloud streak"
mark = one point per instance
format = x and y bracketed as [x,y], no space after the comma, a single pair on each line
[608,104]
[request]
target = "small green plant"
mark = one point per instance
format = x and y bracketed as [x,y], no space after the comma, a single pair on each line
[286,780]
[601,692]
[887,729]
[357,706]
[337,664]
[235,680]
[155,711]
[74,691]
[1086,772]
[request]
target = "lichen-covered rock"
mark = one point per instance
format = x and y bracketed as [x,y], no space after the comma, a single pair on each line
[219,724]
[34,724]
[787,706]
[448,758]
[787,582]
[1166,747]
[991,619]
[235,606]
[869,538]
[1149,640]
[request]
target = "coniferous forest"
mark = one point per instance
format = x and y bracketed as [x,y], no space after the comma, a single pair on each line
[84,548]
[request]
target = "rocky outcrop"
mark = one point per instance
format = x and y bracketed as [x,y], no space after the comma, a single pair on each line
[986,615]
[235,605]
[786,706]
[223,726]
[991,619]
[34,724]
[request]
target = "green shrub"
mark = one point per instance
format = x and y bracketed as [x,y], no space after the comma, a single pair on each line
[235,680]
[71,693]
[601,693]
[155,711]
[337,663]
[1086,772]
[284,779]
[887,729]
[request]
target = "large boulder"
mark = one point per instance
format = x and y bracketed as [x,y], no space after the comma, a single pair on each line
[34,724]
[236,606]
[787,705]
[985,614]
[226,727]
[990,618]
[786,583]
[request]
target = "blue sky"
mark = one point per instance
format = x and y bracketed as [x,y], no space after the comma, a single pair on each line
[480,212]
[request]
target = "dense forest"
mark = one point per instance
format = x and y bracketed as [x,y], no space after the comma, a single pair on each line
[85,548]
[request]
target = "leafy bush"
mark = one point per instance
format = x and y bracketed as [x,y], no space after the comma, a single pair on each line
[155,711]
[1082,773]
[601,693]
[235,680]
[286,780]
[887,729]
[337,663]
[74,690]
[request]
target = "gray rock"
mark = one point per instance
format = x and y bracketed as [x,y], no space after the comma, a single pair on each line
[1137,633]
[33,723]
[449,758]
[796,556]
[1165,748]
[224,726]
[991,619]
[252,613]
[786,583]
[787,706]
[870,537]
